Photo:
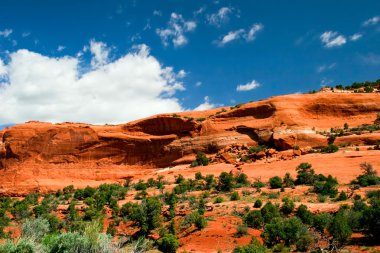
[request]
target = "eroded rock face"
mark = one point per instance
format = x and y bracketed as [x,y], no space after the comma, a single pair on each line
[36,155]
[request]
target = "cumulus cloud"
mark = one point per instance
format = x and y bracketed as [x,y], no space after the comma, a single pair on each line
[6,33]
[332,39]
[248,86]
[100,53]
[325,67]
[60,48]
[52,89]
[205,105]
[371,21]
[3,69]
[219,18]
[248,36]
[356,36]
[176,30]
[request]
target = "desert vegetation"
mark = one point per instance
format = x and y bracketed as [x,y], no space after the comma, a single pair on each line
[159,214]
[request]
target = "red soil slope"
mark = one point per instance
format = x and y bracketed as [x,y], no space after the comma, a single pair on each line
[39,156]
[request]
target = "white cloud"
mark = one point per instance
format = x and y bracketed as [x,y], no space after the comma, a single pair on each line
[332,39]
[240,34]
[325,67]
[3,69]
[175,31]
[206,105]
[248,86]
[100,53]
[219,18]
[60,48]
[356,36]
[371,21]
[25,34]
[252,32]
[198,84]
[231,36]
[371,59]
[5,33]
[199,11]
[157,13]
[53,89]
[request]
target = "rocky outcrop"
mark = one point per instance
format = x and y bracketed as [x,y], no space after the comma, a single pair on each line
[81,152]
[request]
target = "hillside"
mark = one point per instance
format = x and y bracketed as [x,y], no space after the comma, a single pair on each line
[38,156]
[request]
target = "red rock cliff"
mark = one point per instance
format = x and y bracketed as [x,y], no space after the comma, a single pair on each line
[43,156]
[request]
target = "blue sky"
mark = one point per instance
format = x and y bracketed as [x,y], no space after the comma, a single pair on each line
[58,59]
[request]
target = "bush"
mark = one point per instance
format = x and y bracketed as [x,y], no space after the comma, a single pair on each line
[35,229]
[331,148]
[288,180]
[258,184]
[168,243]
[218,200]
[254,219]
[291,231]
[340,228]
[242,179]
[200,160]
[368,177]
[304,214]
[326,188]
[195,218]
[305,174]
[225,182]
[342,196]
[234,196]
[253,247]
[241,230]
[275,182]
[258,203]
[287,206]
[270,211]
[322,221]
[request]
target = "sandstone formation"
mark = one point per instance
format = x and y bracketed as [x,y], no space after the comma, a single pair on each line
[45,156]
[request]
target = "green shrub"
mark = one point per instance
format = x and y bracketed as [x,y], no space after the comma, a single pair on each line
[273,195]
[253,247]
[269,211]
[331,148]
[305,174]
[322,221]
[275,182]
[291,231]
[288,180]
[368,177]
[258,203]
[35,229]
[241,180]
[287,206]
[342,196]
[256,149]
[340,228]
[234,196]
[225,182]
[304,214]
[200,160]
[327,188]
[195,218]
[218,200]
[168,243]
[241,230]
[254,219]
